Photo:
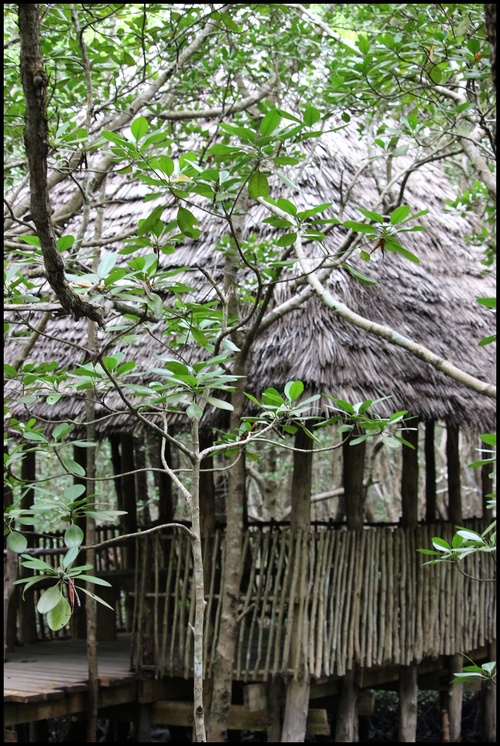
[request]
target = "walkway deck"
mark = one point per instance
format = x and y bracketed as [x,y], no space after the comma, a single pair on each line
[50,679]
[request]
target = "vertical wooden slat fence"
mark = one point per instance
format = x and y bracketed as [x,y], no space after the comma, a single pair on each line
[363,598]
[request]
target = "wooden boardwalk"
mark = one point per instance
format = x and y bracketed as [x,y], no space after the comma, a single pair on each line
[50,679]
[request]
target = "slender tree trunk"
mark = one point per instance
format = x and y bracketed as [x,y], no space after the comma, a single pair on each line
[10,594]
[27,609]
[90,538]
[235,504]
[231,580]
[198,704]
[298,688]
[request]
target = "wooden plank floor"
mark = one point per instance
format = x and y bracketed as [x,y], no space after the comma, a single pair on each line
[49,679]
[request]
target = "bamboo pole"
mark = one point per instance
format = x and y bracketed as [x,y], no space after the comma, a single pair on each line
[265,621]
[281,594]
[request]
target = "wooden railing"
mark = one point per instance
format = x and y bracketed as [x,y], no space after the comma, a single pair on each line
[363,597]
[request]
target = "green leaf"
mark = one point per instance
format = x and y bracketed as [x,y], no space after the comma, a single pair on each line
[487,340]
[49,599]
[287,240]
[306,214]
[139,127]
[489,438]
[194,411]
[74,467]
[392,244]
[258,185]
[363,44]
[106,265]
[360,227]
[53,398]
[91,579]
[65,242]
[435,74]
[376,216]
[270,122]
[470,535]
[286,206]
[59,616]
[166,165]
[62,429]
[311,116]
[73,536]
[272,397]
[74,492]
[150,222]
[473,45]
[222,150]
[220,403]
[359,439]
[69,557]
[399,214]
[293,389]
[31,240]
[188,223]
[16,542]
[96,598]
[114,138]
[345,406]
[359,275]
[488,302]
[440,544]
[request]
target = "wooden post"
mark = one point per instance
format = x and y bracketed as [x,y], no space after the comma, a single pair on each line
[346,721]
[409,479]
[453,464]
[408,690]
[143,725]
[274,691]
[489,702]
[127,464]
[486,488]
[454,662]
[297,690]
[352,478]
[141,482]
[430,473]
[455,696]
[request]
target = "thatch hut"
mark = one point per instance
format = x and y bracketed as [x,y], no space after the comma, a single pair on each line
[434,304]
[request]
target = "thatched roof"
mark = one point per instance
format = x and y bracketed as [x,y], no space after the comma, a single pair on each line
[433,303]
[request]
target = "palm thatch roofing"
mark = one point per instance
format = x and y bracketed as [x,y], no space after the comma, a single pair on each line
[433,302]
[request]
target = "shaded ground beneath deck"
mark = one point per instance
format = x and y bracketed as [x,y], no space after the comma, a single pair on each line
[382,725]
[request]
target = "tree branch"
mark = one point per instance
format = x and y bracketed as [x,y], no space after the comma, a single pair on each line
[380,330]
[36,138]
